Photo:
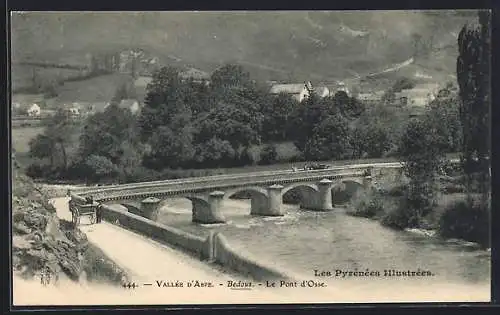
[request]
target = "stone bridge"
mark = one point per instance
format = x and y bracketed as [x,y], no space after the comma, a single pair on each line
[266,190]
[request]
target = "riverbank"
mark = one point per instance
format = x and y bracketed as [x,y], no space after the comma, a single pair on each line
[453,217]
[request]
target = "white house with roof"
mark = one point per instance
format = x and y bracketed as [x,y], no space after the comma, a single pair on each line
[133,105]
[32,110]
[75,109]
[299,91]
[341,87]
[322,91]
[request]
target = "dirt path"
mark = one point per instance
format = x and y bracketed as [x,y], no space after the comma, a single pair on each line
[149,262]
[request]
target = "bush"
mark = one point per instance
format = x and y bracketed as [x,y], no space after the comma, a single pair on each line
[398,191]
[367,204]
[467,220]
[403,215]
[41,169]
[450,188]
[269,155]
[397,218]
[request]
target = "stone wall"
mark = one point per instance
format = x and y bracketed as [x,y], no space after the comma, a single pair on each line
[159,232]
[214,247]
[227,256]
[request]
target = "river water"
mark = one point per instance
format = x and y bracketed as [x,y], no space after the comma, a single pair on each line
[303,241]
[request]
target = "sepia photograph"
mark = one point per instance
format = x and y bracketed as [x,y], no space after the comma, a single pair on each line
[250,157]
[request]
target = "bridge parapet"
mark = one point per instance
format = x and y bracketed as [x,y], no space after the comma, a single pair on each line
[267,200]
[158,191]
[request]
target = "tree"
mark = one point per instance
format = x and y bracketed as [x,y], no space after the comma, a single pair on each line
[349,107]
[105,133]
[307,116]
[229,123]
[444,114]
[268,155]
[215,152]
[370,137]
[473,76]
[98,167]
[230,75]
[329,140]
[171,148]
[164,99]
[42,147]
[56,138]
[423,155]
[277,116]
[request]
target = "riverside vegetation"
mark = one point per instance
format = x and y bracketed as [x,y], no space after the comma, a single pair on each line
[186,126]
[455,201]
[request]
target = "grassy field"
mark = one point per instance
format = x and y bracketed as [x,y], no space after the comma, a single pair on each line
[20,142]
[22,136]
[22,75]
[97,89]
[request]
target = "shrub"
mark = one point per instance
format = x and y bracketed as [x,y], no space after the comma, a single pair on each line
[398,191]
[269,155]
[451,188]
[403,214]
[367,204]
[467,220]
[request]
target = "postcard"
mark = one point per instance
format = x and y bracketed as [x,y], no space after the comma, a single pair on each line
[250,157]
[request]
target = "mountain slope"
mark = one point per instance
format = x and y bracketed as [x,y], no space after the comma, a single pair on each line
[293,45]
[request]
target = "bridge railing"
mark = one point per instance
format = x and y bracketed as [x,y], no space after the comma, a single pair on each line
[211,179]
[169,188]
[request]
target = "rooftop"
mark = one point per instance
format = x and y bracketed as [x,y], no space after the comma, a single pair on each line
[295,88]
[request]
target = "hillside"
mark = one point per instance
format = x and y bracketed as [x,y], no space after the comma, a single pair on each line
[298,45]
[40,240]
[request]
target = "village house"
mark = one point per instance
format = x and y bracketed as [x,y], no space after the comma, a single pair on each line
[74,109]
[31,110]
[131,104]
[417,97]
[299,91]
[322,91]
[341,87]
[372,97]
[196,75]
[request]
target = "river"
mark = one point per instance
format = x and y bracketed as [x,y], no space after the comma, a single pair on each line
[304,241]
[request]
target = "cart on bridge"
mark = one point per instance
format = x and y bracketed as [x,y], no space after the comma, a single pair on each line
[87,209]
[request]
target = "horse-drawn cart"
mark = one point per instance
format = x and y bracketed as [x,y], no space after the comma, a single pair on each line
[88,209]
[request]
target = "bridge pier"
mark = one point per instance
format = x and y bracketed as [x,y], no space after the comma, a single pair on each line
[259,204]
[325,195]
[150,207]
[367,182]
[209,213]
[275,200]
[320,200]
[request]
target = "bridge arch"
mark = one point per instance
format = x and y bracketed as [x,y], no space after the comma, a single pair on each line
[253,190]
[303,194]
[346,189]
[300,186]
